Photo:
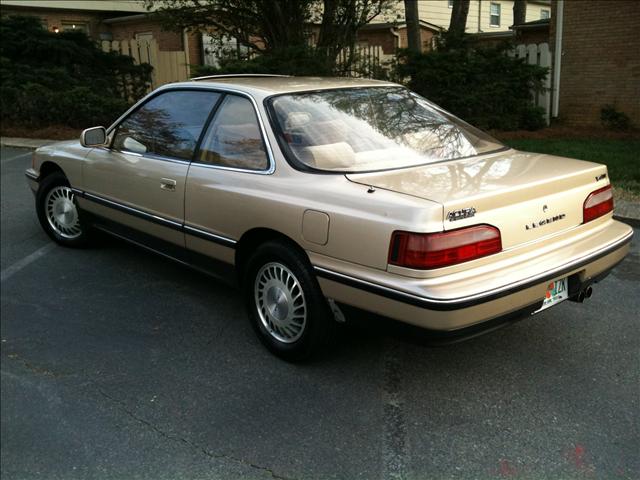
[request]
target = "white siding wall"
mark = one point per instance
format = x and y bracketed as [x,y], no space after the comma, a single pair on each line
[533,11]
[439,13]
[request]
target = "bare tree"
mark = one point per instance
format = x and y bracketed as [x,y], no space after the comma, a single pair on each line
[412,17]
[341,20]
[519,11]
[458,22]
[274,25]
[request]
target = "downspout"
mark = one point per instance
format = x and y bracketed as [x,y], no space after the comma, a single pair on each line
[479,15]
[397,42]
[185,45]
[557,58]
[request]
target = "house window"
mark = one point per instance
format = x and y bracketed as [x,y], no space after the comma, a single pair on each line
[544,14]
[494,15]
[75,27]
[144,36]
[450,3]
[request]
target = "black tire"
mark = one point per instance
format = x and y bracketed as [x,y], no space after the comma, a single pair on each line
[318,323]
[71,238]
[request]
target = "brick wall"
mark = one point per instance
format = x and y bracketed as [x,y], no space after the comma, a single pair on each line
[600,59]
[167,41]
[528,36]
[55,18]
[425,36]
[195,48]
[126,30]
[388,41]
[382,37]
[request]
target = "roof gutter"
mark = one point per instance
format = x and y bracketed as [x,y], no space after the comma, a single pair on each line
[128,18]
[557,58]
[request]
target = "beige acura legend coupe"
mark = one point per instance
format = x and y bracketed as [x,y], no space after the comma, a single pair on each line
[317,195]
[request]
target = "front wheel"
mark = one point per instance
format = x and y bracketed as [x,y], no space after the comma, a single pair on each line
[285,305]
[58,213]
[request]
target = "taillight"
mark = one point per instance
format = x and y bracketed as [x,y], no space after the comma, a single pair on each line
[435,250]
[597,204]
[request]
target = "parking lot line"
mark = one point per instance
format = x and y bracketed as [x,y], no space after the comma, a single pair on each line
[20,264]
[19,157]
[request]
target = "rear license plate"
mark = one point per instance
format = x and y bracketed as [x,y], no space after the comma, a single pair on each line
[557,291]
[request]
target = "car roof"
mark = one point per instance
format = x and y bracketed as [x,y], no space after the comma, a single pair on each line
[276,84]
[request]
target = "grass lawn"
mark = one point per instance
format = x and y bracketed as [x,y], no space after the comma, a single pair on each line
[621,156]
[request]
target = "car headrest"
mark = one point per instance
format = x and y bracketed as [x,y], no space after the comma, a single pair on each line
[332,156]
[296,120]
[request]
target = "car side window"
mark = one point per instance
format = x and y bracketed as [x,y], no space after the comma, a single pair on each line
[168,125]
[233,138]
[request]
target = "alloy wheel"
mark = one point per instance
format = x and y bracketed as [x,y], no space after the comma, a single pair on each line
[280,302]
[62,213]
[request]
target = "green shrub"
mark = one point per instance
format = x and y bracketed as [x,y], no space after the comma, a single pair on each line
[612,119]
[484,86]
[63,79]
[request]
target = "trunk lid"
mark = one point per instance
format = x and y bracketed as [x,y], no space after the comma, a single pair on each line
[528,196]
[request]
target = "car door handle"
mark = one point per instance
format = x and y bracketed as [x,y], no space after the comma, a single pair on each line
[168,184]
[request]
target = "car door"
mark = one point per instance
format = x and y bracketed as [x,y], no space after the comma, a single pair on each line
[227,179]
[139,181]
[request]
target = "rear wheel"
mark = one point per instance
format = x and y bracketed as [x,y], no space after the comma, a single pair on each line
[285,304]
[58,213]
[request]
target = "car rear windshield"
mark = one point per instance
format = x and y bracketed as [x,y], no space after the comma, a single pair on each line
[369,129]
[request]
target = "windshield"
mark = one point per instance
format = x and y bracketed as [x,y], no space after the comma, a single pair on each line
[368,129]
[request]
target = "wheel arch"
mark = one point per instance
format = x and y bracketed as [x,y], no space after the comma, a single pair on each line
[253,238]
[48,167]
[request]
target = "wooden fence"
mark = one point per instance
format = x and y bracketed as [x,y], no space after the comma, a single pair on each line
[368,61]
[167,66]
[538,54]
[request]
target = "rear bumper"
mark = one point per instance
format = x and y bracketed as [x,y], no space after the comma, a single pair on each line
[416,301]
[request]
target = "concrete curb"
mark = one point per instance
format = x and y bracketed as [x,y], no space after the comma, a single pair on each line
[627,212]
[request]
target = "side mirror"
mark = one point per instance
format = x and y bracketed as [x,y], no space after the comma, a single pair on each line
[93,137]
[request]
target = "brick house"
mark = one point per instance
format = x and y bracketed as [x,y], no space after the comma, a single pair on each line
[391,36]
[527,33]
[599,60]
[536,31]
[106,20]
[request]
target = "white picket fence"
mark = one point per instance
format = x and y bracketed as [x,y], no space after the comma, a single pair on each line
[538,54]
[167,66]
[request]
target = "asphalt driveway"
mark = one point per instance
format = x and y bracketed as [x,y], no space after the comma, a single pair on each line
[120,364]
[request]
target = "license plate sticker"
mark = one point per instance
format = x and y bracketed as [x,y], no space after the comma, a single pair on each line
[557,291]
